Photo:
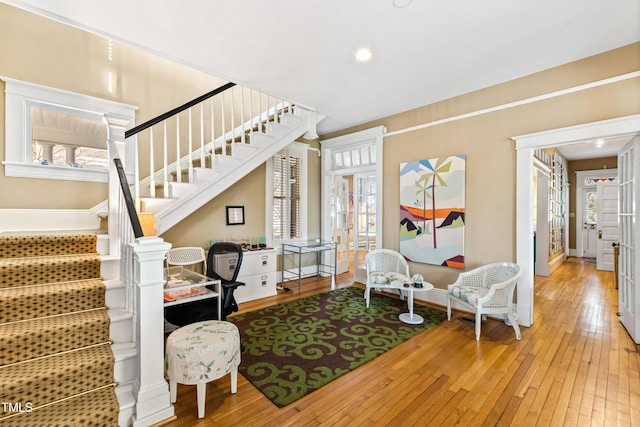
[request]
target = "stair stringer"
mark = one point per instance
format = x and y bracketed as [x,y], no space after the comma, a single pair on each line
[122,332]
[182,207]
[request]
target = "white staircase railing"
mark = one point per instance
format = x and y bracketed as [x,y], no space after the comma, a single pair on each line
[205,140]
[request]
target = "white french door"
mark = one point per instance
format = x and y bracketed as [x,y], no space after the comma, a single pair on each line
[628,265]
[607,223]
[340,223]
[365,222]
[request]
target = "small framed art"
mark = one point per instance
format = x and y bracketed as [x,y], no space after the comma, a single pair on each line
[235,215]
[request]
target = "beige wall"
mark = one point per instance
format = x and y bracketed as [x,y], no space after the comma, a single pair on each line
[490,154]
[582,165]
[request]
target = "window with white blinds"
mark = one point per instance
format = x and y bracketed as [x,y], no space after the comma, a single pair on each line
[286,194]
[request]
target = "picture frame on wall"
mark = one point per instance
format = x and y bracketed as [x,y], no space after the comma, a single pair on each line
[432,211]
[235,215]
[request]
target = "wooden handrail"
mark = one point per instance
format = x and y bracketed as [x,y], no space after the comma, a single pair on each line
[128,199]
[177,110]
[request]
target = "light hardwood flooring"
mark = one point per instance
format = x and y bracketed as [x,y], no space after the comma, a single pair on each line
[576,366]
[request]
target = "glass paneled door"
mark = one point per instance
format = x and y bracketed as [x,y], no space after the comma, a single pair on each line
[590,218]
[365,221]
[340,222]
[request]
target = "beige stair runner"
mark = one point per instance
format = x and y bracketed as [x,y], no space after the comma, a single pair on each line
[56,363]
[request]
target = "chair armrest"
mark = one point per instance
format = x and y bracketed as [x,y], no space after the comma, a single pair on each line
[498,294]
[475,279]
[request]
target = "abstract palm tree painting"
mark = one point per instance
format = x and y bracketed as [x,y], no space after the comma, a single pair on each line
[432,211]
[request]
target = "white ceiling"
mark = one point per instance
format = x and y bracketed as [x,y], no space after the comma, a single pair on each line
[304,50]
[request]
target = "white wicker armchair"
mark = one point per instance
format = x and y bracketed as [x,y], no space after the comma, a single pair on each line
[487,290]
[383,267]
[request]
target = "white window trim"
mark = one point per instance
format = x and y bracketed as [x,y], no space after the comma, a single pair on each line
[19,98]
[299,150]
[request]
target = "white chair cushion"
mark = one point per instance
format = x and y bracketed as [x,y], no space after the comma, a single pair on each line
[468,294]
[385,278]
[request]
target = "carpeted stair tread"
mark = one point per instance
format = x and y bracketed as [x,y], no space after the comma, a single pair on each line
[34,338]
[87,410]
[48,269]
[57,377]
[44,243]
[55,351]
[30,302]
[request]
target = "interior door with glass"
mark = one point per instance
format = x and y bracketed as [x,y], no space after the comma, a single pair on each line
[628,265]
[607,223]
[340,223]
[590,216]
[365,222]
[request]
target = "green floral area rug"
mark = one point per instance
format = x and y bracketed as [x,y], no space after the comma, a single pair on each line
[296,347]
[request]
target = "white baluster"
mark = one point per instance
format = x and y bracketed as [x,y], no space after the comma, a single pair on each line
[242,135]
[224,135]
[268,108]
[178,166]
[190,152]
[152,181]
[233,124]
[259,111]
[165,168]
[213,134]
[251,110]
[136,175]
[202,163]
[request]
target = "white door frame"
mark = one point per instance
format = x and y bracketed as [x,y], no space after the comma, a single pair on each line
[580,187]
[525,146]
[329,172]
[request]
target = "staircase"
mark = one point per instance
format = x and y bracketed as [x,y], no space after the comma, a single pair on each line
[199,183]
[223,145]
[56,358]
[109,357]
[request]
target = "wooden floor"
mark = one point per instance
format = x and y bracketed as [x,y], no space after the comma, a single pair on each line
[576,366]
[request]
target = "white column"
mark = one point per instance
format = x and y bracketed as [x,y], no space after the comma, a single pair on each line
[117,148]
[47,151]
[153,402]
[71,155]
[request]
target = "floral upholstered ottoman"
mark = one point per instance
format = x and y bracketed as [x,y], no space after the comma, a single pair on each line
[202,352]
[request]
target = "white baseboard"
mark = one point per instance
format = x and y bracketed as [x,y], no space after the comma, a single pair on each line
[50,219]
[556,262]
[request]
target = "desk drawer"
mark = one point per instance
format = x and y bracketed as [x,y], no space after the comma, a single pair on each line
[256,286]
[258,262]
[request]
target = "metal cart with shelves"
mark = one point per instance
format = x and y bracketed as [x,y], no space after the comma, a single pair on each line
[325,262]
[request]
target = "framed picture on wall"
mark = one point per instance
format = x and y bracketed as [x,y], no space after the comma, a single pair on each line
[235,215]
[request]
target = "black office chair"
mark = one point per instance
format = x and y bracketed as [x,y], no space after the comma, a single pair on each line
[223,263]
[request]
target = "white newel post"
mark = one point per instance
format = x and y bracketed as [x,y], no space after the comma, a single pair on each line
[150,388]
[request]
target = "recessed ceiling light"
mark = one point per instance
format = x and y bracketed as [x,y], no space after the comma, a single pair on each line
[401,3]
[599,143]
[363,54]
